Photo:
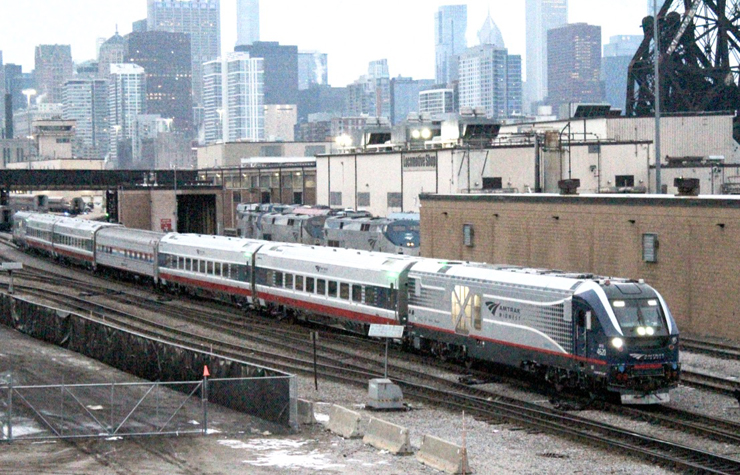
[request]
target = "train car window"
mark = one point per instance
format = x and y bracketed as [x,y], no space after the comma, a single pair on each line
[299,282]
[278,279]
[321,286]
[209,267]
[310,284]
[365,227]
[332,289]
[370,295]
[188,263]
[202,267]
[288,281]
[344,291]
[357,293]
[331,243]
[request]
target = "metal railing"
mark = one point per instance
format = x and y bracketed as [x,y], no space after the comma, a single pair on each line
[104,410]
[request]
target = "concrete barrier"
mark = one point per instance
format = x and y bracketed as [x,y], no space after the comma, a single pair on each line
[344,422]
[305,412]
[444,456]
[386,436]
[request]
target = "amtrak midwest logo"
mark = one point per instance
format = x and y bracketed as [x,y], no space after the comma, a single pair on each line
[505,312]
[492,307]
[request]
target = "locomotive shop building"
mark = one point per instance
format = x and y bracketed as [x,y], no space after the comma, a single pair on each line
[607,155]
[685,247]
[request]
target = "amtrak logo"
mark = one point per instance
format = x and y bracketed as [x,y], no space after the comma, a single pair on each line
[372,243]
[492,307]
[642,357]
[321,269]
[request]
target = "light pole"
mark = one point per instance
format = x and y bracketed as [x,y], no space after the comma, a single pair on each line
[656,59]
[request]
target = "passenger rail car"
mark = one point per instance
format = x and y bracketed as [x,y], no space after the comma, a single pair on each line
[128,251]
[574,330]
[347,288]
[211,266]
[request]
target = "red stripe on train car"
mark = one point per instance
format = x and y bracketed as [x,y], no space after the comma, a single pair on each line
[205,284]
[327,310]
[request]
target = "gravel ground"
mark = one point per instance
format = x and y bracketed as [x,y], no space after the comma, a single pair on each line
[492,448]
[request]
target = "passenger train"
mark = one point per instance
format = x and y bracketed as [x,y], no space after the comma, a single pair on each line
[573,330]
[323,226]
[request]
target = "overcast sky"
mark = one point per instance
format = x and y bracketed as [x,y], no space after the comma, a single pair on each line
[351,32]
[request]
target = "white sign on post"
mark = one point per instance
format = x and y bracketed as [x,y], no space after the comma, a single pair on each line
[11,266]
[386,331]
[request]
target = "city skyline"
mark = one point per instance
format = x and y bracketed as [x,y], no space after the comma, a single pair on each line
[315,26]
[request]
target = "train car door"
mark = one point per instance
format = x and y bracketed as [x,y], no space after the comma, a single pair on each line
[582,322]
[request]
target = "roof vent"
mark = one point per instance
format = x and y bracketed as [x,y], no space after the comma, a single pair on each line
[687,186]
[569,187]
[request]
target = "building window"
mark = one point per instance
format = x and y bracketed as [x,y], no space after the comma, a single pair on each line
[363,199]
[335,198]
[492,183]
[624,180]
[395,200]
[468,235]
[271,151]
[650,247]
[594,148]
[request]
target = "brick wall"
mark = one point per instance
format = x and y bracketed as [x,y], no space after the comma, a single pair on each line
[698,267]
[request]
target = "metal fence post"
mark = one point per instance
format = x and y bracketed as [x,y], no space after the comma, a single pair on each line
[206,373]
[10,408]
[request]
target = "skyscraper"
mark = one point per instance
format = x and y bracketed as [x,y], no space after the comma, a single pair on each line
[405,97]
[371,93]
[111,52]
[450,28]
[312,69]
[234,99]
[490,78]
[53,68]
[574,65]
[280,70]
[617,57]
[201,19]
[541,16]
[166,59]
[86,102]
[247,21]
[126,101]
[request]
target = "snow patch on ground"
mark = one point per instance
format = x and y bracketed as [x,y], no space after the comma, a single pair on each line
[283,453]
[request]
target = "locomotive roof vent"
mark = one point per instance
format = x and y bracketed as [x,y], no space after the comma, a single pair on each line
[569,187]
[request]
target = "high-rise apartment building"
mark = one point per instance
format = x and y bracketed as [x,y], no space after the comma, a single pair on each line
[14,85]
[234,98]
[312,69]
[126,101]
[166,59]
[541,16]
[111,52]
[618,54]
[491,78]
[201,19]
[450,28]
[247,21]
[280,70]
[86,102]
[371,93]
[53,68]
[437,102]
[574,66]
[404,95]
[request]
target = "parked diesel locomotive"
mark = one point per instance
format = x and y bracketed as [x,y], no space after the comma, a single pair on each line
[333,228]
[573,330]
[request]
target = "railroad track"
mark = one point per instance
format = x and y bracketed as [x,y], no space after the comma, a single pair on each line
[718,350]
[480,404]
[335,366]
[707,381]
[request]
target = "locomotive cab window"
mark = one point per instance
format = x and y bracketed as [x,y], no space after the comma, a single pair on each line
[640,317]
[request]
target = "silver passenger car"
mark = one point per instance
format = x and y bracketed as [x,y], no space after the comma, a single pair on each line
[210,265]
[128,250]
[74,239]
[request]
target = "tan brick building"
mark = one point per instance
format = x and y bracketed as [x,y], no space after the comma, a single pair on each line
[687,248]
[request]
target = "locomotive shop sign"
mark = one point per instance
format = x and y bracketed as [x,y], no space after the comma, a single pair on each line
[419,161]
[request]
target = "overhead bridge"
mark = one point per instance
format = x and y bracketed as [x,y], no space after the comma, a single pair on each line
[32,180]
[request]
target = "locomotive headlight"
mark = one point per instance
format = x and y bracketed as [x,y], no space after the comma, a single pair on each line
[641,331]
[426,134]
[650,331]
[617,343]
[415,134]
